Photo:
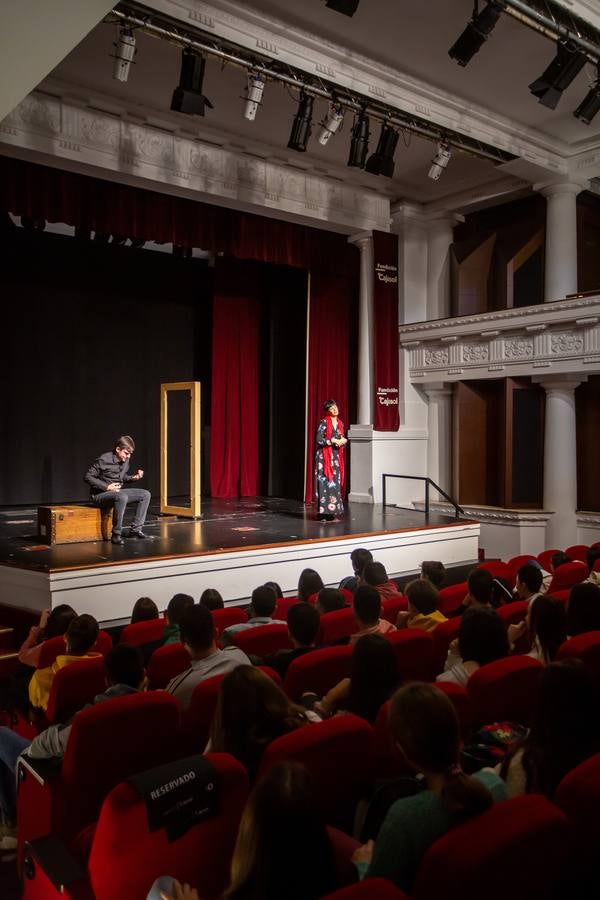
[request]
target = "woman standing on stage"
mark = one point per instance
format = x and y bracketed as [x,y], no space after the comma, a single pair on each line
[329,464]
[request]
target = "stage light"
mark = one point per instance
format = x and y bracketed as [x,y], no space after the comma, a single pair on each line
[590,105]
[564,68]
[347,7]
[359,145]
[382,161]
[331,122]
[187,96]
[302,125]
[476,33]
[254,92]
[124,52]
[440,161]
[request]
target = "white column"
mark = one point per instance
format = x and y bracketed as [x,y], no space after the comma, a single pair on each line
[364,242]
[440,238]
[561,239]
[560,460]
[439,443]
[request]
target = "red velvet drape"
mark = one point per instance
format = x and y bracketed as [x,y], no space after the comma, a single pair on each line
[234,452]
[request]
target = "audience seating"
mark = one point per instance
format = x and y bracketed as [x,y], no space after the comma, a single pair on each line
[262,640]
[283,606]
[459,698]
[337,625]
[54,647]
[338,753]
[516,562]
[585,647]
[505,690]
[415,653]
[545,558]
[518,849]
[318,671]
[141,633]
[369,889]
[513,613]
[451,597]
[578,795]
[165,663]
[223,618]
[73,687]
[391,606]
[497,569]
[568,575]
[388,761]
[563,596]
[578,552]
[442,637]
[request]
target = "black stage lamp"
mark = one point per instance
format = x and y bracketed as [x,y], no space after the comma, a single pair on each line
[302,126]
[590,105]
[564,68]
[359,145]
[382,161]
[187,96]
[347,7]
[476,33]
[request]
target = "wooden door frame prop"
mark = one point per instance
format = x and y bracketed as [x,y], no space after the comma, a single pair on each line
[193,388]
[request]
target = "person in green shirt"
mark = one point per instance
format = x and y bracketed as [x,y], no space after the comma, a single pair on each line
[425,727]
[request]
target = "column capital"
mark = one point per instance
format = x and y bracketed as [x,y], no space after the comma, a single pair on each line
[362,239]
[407,215]
[571,186]
[438,221]
[436,390]
[562,383]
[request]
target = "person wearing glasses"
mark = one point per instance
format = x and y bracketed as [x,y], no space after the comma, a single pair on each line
[108,479]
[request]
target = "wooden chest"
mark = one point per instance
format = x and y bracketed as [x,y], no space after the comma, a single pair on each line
[74,524]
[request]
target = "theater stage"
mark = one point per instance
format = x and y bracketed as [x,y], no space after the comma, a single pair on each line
[237,545]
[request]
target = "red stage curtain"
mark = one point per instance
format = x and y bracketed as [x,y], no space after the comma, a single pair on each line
[234,452]
[332,311]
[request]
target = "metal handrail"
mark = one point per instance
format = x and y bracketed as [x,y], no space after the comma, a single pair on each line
[429,482]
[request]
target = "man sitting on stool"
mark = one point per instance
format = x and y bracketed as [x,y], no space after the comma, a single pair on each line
[107,477]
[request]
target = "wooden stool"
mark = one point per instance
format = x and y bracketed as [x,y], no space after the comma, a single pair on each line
[74,524]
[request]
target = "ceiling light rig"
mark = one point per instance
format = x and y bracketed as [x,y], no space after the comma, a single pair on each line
[302,125]
[590,105]
[440,161]
[562,71]
[477,32]
[124,52]
[187,96]
[359,145]
[254,93]
[331,123]
[347,7]
[382,161]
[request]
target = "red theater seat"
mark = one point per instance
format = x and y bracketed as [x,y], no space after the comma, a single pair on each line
[415,654]
[141,633]
[54,647]
[518,849]
[516,562]
[585,647]
[337,625]
[497,569]
[262,640]
[369,889]
[73,687]
[505,690]
[578,795]
[165,663]
[283,606]
[513,613]
[392,606]
[567,575]
[460,701]
[451,597]
[388,761]
[318,671]
[545,558]
[442,637]
[223,618]
[578,552]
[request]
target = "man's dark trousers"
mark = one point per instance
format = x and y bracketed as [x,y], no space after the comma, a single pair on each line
[120,499]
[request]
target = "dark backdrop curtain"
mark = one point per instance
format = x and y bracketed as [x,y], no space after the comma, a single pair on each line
[235,428]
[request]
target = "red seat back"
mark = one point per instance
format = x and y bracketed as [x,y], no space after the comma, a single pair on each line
[73,686]
[568,575]
[318,671]
[516,562]
[414,651]
[442,637]
[451,597]
[505,690]
[370,889]
[497,569]
[197,718]
[563,596]
[283,606]
[578,795]
[578,551]
[262,640]
[391,606]
[56,646]
[165,663]
[545,558]
[337,625]
[126,857]
[223,618]
[513,613]
[143,632]
[460,701]
[517,849]
[585,647]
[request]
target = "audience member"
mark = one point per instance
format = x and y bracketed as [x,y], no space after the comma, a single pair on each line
[144,610]
[481,639]
[252,710]
[367,612]
[276,588]
[592,557]
[423,609]
[53,623]
[211,599]
[80,637]
[425,727]
[546,624]
[501,592]
[529,582]
[373,678]
[479,592]
[329,600]
[559,559]
[583,609]
[375,576]
[198,637]
[434,571]
[260,612]
[175,610]
[359,559]
[303,628]
[309,583]
[565,731]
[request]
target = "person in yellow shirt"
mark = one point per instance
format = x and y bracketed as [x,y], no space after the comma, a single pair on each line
[80,637]
[423,609]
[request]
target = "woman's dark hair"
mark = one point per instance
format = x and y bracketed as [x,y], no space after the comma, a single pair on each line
[424,723]
[283,848]
[373,676]
[548,625]
[252,710]
[144,610]
[275,587]
[560,559]
[309,583]
[583,609]
[58,621]
[482,636]
[566,728]
[330,599]
[211,598]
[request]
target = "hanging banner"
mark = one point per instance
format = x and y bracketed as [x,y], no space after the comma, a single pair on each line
[386,369]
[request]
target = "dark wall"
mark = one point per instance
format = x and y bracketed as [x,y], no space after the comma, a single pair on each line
[89,334]
[588,242]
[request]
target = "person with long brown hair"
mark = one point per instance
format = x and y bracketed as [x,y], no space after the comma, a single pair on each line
[252,711]
[425,727]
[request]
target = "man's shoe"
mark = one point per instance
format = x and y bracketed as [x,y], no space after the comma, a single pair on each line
[138,533]
[117,539]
